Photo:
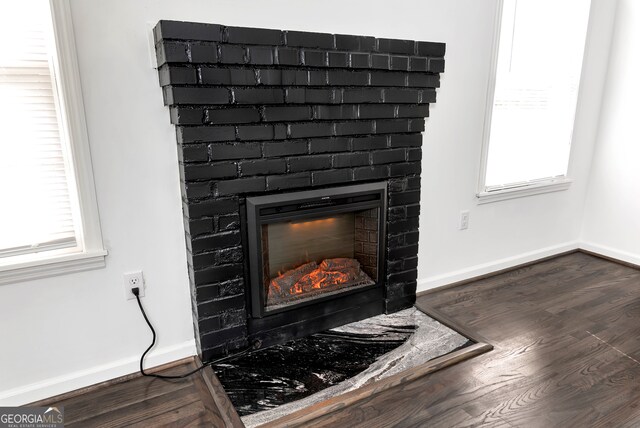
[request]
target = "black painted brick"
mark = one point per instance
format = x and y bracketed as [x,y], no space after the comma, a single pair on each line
[217,273]
[373,111]
[199,227]
[338,59]
[403,252]
[369,143]
[230,54]
[323,112]
[428,96]
[397,95]
[392,126]
[170,52]
[263,167]
[187,31]
[295,77]
[228,222]
[195,172]
[258,95]
[431,49]
[421,110]
[194,153]
[170,74]
[192,134]
[321,178]
[227,76]
[310,96]
[256,132]
[416,125]
[403,226]
[355,43]
[380,61]
[317,77]
[260,55]
[309,40]
[414,155]
[181,95]
[399,62]
[396,46]
[389,78]
[309,163]
[328,145]
[401,169]
[371,172]
[242,185]
[215,307]
[418,63]
[359,60]
[422,80]
[413,210]
[220,337]
[285,148]
[406,140]
[222,240]
[301,130]
[404,198]
[388,156]
[315,58]
[354,128]
[288,113]
[230,288]
[288,181]
[222,151]
[344,160]
[288,56]
[197,190]
[203,53]
[348,78]
[253,36]
[436,65]
[362,95]
[212,207]
[232,115]
[187,116]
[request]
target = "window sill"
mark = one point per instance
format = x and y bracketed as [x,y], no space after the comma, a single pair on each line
[520,192]
[51,266]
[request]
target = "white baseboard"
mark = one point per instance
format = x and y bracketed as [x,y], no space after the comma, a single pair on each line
[83,378]
[494,266]
[611,252]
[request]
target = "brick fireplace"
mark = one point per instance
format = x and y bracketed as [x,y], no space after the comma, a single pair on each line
[264,112]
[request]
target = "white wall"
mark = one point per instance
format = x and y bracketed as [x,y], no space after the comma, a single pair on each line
[612,219]
[70,331]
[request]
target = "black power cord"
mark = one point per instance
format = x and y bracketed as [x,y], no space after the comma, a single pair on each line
[136,292]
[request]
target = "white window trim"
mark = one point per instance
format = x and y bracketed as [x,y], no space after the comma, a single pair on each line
[92,254]
[535,187]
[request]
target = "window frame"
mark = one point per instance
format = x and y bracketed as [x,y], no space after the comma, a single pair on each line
[90,252]
[529,188]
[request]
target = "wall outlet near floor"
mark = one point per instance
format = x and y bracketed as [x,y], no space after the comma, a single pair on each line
[132,280]
[464,220]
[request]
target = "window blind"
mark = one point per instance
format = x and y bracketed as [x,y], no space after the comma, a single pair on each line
[36,188]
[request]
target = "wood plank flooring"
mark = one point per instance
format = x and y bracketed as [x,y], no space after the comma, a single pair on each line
[566,336]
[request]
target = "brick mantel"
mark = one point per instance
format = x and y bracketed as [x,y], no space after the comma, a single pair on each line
[259,111]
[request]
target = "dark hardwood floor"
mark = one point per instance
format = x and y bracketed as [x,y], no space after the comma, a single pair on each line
[566,336]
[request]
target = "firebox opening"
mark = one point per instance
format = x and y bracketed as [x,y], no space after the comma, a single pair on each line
[304,259]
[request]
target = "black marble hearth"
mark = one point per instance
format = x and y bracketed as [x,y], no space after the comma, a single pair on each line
[262,112]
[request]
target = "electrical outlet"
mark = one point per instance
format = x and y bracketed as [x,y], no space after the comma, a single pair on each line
[464,220]
[133,280]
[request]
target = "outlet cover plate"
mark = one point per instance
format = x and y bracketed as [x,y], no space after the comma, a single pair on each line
[131,280]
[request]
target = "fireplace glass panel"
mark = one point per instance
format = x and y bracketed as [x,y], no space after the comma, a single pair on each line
[306,259]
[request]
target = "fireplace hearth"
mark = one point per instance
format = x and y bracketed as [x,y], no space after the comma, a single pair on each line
[300,161]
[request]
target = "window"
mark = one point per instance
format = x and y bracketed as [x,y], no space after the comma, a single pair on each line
[49,222]
[530,115]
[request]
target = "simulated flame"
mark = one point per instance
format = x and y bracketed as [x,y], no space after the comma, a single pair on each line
[311,277]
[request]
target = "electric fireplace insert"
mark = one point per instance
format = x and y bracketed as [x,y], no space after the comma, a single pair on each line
[308,247]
